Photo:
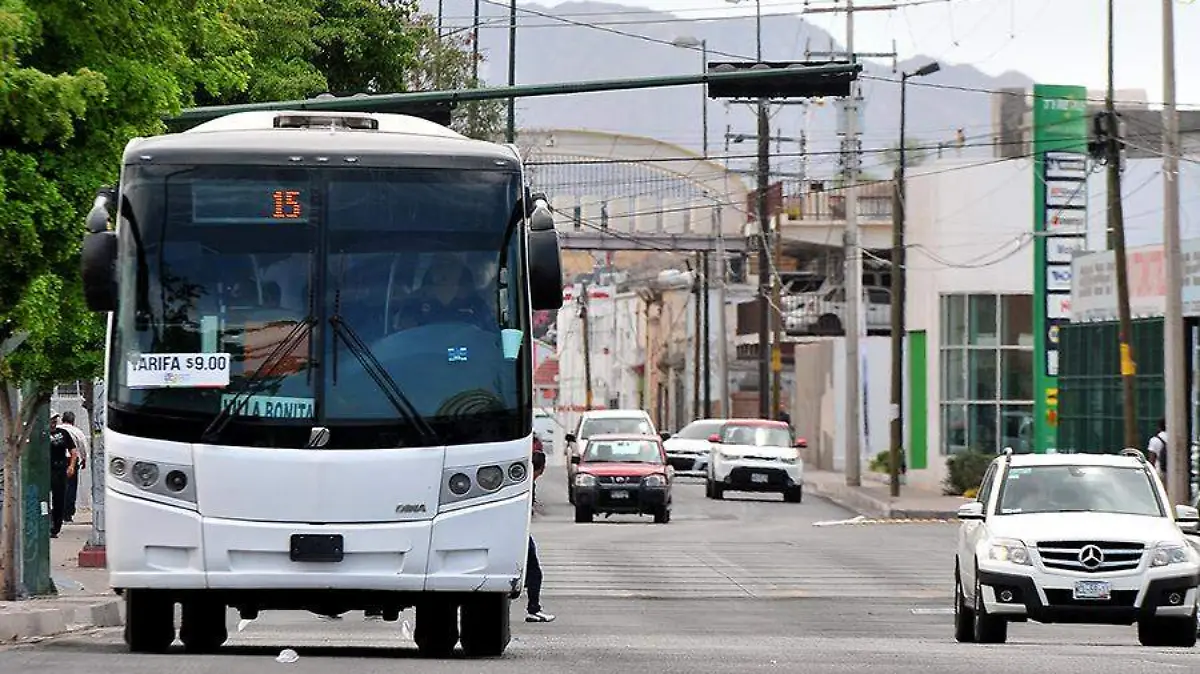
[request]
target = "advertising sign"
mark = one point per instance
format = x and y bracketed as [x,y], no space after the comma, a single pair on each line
[1060,134]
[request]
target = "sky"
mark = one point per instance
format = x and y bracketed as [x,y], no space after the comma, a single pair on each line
[1052,41]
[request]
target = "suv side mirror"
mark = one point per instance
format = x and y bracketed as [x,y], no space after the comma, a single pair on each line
[801,443]
[664,435]
[575,458]
[714,438]
[970,511]
[1188,518]
[569,437]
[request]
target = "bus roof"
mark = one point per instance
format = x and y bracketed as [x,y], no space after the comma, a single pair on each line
[322,138]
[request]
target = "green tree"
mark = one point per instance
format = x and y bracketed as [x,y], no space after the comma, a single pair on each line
[76,86]
[302,48]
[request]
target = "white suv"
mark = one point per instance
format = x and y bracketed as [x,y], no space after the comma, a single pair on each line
[1075,538]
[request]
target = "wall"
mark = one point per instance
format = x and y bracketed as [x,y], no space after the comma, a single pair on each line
[818,407]
[617,344]
[968,230]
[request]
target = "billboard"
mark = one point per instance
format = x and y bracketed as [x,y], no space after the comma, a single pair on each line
[1060,135]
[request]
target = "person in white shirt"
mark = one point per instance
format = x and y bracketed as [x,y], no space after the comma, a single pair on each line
[82,448]
[1156,449]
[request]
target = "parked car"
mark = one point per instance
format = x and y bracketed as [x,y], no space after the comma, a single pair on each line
[545,425]
[1076,538]
[623,474]
[596,422]
[688,450]
[755,455]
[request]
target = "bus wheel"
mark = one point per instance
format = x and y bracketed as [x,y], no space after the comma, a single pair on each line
[203,628]
[437,629]
[149,621]
[486,625]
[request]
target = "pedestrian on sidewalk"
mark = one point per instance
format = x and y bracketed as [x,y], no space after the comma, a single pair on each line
[82,451]
[533,568]
[63,462]
[1156,449]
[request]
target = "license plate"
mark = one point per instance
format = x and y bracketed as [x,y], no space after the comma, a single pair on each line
[620,494]
[1092,589]
[759,478]
[317,548]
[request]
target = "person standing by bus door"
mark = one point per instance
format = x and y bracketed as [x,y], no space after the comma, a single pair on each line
[81,451]
[64,457]
[533,568]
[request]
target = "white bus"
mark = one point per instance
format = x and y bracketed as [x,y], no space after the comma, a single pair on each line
[319,374]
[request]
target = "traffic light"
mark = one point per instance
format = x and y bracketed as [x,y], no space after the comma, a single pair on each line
[804,83]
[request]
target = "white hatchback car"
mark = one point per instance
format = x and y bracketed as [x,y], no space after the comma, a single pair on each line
[1076,538]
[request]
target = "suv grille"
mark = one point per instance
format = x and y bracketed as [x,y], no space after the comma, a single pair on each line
[1113,555]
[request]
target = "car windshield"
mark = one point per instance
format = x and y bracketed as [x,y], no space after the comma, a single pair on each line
[1055,489]
[374,302]
[615,425]
[757,436]
[623,451]
[699,430]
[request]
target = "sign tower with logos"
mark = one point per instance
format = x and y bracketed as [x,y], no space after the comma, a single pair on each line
[1060,135]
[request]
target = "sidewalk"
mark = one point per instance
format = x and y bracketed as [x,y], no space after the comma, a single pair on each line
[84,599]
[873,499]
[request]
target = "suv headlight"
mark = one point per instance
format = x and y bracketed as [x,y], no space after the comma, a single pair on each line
[655,481]
[1008,550]
[1169,553]
[584,480]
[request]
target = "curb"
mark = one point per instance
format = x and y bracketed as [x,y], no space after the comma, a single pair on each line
[864,505]
[20,622]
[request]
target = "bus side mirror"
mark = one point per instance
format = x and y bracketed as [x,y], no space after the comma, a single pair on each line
[98,259]
[545,261]
[575,459]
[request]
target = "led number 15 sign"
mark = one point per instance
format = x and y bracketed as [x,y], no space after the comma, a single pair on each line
[287,205]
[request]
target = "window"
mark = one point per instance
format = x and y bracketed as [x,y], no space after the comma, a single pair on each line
[987,372]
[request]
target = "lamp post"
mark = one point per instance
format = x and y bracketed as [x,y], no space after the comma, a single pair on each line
[898,284]
[690,42]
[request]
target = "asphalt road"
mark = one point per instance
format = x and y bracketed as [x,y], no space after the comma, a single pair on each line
[741,585]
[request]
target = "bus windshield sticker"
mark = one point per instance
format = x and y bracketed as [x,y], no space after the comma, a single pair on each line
[178,370]
[271,407]
[511,342]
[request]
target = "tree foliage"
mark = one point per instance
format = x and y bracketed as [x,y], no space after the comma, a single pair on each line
[79,80]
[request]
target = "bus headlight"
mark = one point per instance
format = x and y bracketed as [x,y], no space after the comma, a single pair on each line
[495,478]
[145,474]
[517,471]
[169,481]
[490,477]
[459,484]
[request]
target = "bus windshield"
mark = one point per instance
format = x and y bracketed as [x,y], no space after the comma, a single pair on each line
[310,296]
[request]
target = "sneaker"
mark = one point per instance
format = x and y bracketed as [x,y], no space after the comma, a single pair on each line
[372,617]
[329,617]
[539,617]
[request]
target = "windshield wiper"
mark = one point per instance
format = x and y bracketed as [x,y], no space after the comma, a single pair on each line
[383,379]
[258,379]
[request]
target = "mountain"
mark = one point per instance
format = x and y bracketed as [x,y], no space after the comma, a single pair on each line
[594,40]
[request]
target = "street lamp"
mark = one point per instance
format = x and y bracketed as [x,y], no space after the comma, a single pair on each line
[690,42]
[898,284]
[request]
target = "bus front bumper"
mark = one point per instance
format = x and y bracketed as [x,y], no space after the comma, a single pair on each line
[155,546]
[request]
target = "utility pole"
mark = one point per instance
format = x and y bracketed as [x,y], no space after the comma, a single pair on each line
[707,341]
[853,274]
[1116,229]
[474,111]
[510,133]
[723,273]
[766,349]
[696,343]
[587,346]
[1174,360]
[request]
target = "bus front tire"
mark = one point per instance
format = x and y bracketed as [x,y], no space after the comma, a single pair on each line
[149,621]
[202,628]
[436,631]
[486,625]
